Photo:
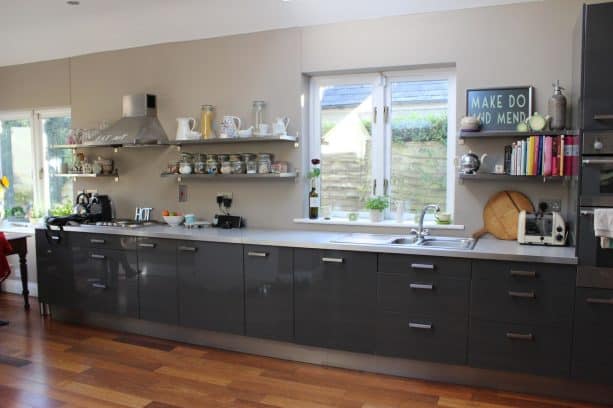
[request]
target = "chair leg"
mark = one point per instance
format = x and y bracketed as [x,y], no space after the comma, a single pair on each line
[4,322]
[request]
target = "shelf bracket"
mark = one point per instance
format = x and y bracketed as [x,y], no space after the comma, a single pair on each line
[115,149]
[178,179]
[297,143]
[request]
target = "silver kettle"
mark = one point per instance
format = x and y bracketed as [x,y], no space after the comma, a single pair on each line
[470,162]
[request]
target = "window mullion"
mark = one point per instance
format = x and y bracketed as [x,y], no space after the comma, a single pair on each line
[378,137]
[37,148]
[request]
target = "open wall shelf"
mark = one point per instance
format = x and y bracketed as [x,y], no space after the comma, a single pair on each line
[508,178]
[495,134]
[227,177]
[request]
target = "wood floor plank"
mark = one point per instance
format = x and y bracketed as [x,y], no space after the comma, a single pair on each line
[50,363]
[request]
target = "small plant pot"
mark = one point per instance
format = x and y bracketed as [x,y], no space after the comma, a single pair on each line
[376,215]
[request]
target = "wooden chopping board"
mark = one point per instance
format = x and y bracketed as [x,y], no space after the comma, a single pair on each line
[501,214]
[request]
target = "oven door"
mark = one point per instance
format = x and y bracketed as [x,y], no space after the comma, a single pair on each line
[596,181]
[590,254]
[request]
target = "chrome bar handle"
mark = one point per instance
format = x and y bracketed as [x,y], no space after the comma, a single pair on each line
[523,274]
[597,301]
[146,245]
[597,161]
[257,254]
[519,336]
[55,237]
[586,212]
[421,286]
[99,285]
[332,260]
[421,326]
[97,241]
[522,295]
[422,266]
[603,116]
[96,256]
[187,249]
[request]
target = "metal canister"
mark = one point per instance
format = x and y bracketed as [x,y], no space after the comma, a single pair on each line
[557,108]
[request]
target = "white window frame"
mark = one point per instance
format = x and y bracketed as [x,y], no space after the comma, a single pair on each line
[41,197]
[381,130]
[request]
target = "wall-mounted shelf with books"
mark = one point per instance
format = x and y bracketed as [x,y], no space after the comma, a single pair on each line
[498,134]
[508,178]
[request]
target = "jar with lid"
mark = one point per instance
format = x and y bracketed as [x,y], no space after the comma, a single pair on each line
[222,157]
[226,167]
[173,167]
[258,114]
[264,162]
[199,164]
[207,116]
[212,165]
[238,165]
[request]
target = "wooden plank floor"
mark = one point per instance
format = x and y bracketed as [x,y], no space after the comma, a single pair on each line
[45,363]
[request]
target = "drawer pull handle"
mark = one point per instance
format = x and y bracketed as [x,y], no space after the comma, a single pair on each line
[519,336]
[97,241]
[524,274]
[423,286]
[187,249]
[55,237]
[145,245]
[523,295]
[597,301]
[96,256]
[422,266]
[99,285]
[333,260]
[603,116]
[420,326]
[258,254]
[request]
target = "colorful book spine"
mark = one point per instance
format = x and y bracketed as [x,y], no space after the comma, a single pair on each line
[554,159]
[547,154]
[562,151]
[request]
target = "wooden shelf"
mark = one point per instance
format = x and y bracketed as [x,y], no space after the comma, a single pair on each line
[223,177]
[235,140]
[508,178]
[494,134]
[86,175]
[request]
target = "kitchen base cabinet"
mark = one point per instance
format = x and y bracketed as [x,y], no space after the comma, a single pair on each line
[269,297]
[593,336]
[437,339]
[536,350]
[211,286]
[335,299]
[106,281]
[55,268]
[157,280]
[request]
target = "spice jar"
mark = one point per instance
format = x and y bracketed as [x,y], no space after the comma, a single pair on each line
[226,167]
[212,165]
[207,117]
[173,167]
[264,162]
[223,157]
[238,165]
[200,164]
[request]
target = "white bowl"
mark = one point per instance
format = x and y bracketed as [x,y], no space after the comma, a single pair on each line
[174,220]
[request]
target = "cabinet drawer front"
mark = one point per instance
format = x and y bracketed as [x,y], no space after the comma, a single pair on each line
[594,307]
[532,349]
[433,296]
[424,266]
[522,293]
[109,241]
[422,338]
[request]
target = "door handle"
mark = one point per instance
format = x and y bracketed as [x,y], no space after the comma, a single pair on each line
[421,326]
[146,245]
[585,213]
[333,260]
[597,161]
[97,241]
[96,256]
[421,286]
[188,249]
[523,295]
[99,285]
[55,237]
[257,254]
[597,301]
[524,274]
[519,336]
[422,266]
[603,116]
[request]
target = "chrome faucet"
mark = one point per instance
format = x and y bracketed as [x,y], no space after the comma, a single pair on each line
[420,232]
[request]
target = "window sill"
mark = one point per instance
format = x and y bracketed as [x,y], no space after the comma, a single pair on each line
[382,224]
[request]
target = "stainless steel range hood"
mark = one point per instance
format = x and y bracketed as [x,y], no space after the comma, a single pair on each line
[139,124]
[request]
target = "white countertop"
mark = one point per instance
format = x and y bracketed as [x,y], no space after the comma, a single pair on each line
[486,248]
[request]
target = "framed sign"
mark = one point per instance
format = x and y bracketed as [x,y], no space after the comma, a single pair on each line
[500,108]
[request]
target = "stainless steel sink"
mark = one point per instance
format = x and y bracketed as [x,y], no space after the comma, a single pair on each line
[409,240]
[448,243]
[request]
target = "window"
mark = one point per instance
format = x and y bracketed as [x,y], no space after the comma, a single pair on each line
[384,134]
[25,158]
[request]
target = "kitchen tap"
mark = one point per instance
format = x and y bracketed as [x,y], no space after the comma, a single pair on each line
[420,231]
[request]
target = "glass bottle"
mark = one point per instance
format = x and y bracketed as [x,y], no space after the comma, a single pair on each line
[207,117]
[258,114]
[314,203]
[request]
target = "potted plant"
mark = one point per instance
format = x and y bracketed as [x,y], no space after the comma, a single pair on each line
[376,205]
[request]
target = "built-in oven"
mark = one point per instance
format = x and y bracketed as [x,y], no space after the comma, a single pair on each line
[597,170]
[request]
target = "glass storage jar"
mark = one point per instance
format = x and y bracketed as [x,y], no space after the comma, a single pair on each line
[212,165]
[207,116]
[258,114]
[226,167]
[264,162]
[200,164]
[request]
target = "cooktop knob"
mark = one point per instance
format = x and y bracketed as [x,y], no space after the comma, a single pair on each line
[559,237]
[598,145]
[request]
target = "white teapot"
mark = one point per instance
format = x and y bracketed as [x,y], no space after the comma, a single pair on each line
[279,126]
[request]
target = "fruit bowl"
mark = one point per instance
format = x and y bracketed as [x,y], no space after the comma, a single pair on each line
[174,220]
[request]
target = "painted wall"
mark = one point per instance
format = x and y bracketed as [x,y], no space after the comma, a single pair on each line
[523,44]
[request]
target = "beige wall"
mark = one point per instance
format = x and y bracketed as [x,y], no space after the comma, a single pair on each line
[523,44]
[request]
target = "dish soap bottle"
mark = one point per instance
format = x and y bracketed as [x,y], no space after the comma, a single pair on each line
[557,108]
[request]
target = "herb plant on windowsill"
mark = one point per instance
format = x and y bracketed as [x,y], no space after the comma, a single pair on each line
[376,205]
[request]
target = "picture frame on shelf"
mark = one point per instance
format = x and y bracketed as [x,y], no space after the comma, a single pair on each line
[500,109]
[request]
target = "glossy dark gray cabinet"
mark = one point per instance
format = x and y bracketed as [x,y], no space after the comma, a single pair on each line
[211,286]
[335,299]
[593,335]
[55,268]
[597,67]
[157,280]
[269,297]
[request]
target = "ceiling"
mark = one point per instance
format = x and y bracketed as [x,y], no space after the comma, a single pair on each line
[37,30]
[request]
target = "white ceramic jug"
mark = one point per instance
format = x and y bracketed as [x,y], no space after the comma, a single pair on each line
[279,126]
[230,125]
[184,130]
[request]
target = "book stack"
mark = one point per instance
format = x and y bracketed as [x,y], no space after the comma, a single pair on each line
[543,156]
